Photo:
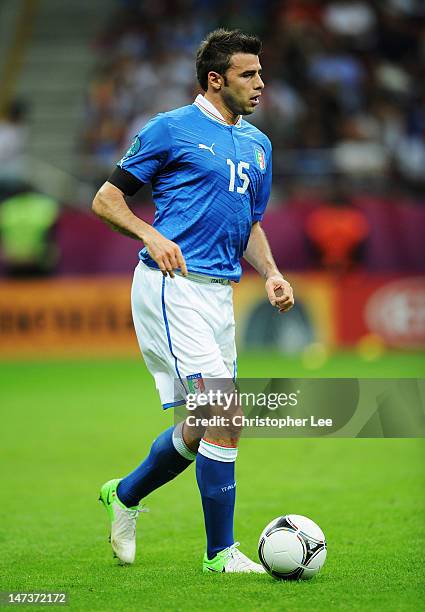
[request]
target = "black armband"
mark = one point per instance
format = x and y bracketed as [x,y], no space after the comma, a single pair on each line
[124,180]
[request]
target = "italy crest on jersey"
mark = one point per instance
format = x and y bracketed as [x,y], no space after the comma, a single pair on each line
[260,158]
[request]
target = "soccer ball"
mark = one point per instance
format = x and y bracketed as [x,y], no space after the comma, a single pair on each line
[292,547]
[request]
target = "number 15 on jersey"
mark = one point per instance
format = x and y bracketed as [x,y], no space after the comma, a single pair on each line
[241,174]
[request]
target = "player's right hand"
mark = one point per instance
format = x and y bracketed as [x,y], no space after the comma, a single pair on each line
[166,254]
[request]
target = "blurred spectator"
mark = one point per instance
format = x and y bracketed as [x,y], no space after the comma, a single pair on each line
[27,221]
[410,160]
[350,18]
[359,150]
[344,83]
[13,141]
[337,230]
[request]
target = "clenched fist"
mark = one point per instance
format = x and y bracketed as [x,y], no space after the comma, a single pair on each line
[279,292]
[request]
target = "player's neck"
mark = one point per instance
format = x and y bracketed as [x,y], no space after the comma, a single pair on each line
[229,117]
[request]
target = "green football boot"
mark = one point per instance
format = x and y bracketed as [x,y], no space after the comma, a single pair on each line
[231,561]
[123,522]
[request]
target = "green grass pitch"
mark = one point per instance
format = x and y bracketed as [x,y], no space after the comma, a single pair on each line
[69,426]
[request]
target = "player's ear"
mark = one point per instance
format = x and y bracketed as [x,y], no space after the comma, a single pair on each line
[215,80]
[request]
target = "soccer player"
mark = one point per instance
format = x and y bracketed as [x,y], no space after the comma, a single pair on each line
[211,176]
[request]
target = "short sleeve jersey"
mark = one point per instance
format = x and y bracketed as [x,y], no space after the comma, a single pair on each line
[210,181]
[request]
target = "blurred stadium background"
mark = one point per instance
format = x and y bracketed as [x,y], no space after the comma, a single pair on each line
[344,106]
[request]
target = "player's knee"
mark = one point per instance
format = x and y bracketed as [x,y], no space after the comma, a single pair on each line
[230,425]
[236,422]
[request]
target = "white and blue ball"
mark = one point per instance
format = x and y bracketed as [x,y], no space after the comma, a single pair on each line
[292,547]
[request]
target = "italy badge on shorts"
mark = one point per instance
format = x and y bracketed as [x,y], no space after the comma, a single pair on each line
[260,158]
[195,383]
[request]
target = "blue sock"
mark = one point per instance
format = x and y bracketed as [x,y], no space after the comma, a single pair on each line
[162,464]
[216,482]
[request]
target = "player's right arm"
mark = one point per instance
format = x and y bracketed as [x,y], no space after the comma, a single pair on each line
[109,204]
[147,156]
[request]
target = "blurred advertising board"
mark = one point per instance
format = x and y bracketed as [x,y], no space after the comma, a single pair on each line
[87,316]
[391,308]
[311,320]
[91,315]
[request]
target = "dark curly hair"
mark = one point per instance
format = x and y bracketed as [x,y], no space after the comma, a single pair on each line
[216,50]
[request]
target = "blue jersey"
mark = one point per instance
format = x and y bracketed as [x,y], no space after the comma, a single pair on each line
[210,183]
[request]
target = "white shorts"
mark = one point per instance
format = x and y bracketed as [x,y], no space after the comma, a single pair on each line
[185,330]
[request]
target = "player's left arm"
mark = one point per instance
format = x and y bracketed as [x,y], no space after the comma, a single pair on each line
[258,252]
[259,255]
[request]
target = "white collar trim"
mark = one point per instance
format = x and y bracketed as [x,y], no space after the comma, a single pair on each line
[212,112]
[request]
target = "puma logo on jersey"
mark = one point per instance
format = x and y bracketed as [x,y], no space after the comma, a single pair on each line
[203,146]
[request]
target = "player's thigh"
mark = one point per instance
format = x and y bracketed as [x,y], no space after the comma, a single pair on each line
[191,331]
[177,339]
[226,340]
[146,307]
